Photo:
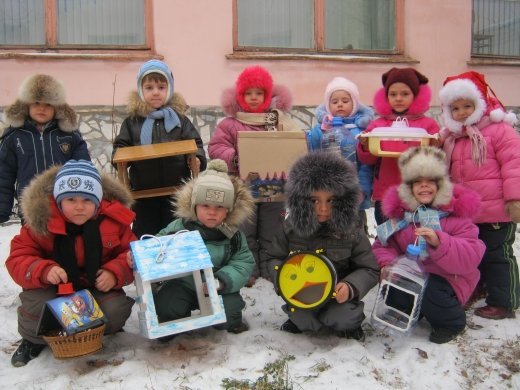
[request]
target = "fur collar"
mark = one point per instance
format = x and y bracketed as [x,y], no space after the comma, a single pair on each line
[464,203]
[137,107]
[281,100]
[37,195]
[419,106]
[242,209]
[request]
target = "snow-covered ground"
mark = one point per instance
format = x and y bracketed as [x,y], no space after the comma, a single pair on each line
[485,356]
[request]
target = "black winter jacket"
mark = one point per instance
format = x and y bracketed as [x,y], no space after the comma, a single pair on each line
[25,152]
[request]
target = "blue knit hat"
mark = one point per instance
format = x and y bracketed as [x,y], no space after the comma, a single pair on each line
[78,178]
[155,66]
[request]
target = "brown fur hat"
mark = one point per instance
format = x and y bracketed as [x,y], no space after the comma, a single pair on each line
[46,89]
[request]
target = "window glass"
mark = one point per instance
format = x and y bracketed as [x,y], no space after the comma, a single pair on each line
[22,22]
[496,28]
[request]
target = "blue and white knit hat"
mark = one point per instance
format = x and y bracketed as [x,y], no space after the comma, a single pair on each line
[155,66]
[78,178]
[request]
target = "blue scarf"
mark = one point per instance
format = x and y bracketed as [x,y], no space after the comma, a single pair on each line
[171,120]
[422,216]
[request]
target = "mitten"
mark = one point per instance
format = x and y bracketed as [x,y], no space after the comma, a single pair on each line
[513,210]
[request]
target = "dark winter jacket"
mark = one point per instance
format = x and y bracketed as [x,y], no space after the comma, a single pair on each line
[159,172]
[25,152]
[31,256]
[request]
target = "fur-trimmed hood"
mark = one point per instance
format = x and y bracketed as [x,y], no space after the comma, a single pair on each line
[324,171]
[139,108]
[464,203]
[38,194]
[242,209]
[420,104]
[46,89]
[281,100]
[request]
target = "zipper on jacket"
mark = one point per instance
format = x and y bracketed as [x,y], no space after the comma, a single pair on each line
[19,145]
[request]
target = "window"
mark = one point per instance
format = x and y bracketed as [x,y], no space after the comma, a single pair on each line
[496,28]
[320,26]
[78,24]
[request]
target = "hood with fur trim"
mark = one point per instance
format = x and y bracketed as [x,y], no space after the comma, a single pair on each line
[242,209]
[37,195]
[420,104]
[139,108]
[281,100]
[324,171]
[46,89]
[464,203]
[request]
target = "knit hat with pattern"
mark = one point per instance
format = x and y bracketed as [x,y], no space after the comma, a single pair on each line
[213,186]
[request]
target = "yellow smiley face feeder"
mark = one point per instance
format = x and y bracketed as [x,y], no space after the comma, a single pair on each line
[306,280]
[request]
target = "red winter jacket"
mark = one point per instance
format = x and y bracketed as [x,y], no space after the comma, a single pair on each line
[31,255]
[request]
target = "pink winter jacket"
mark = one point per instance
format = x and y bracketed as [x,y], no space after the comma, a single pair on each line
[387,173]
[223,143]
[457,257]
[498,180]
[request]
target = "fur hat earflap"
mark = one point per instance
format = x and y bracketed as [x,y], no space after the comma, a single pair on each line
[323,171]
[215,186]
[342,84]
[254,77]
[424,162]
[44,89]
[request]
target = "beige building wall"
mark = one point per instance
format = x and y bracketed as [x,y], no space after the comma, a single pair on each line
[195,36]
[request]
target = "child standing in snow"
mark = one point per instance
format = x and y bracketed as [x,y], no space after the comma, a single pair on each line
[323,197]
[426,207]
[405,94]
[483,154]
[157,114]
[255,104]
[340,119]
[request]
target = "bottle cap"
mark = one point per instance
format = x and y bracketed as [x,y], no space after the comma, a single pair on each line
[413,250]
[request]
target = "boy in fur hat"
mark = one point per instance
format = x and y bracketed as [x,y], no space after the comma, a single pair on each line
[405,94]
[482,149]
[255,104]
[426,207]
[157,114]
[340,119]
[42,132]
[323,197]
[77,231]
[214,204]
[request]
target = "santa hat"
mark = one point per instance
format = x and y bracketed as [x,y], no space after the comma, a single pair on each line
[159,67]
[44,89]
[254,77]
[424,162]
[408,76]
[342,84]
[472,86]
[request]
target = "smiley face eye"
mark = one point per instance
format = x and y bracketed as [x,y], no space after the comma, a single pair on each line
[293,276]
[310,269]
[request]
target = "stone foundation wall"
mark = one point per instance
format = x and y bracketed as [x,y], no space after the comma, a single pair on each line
[100,124]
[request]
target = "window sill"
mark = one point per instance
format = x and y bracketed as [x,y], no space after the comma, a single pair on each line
[476,61]
[320,57]
[80,55]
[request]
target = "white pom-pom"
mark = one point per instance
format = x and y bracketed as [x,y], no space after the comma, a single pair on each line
[217,165]
[497,115]
[511,118]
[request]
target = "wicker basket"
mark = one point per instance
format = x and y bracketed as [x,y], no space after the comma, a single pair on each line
[79,344]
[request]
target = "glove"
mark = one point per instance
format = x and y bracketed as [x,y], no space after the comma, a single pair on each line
[513,210]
